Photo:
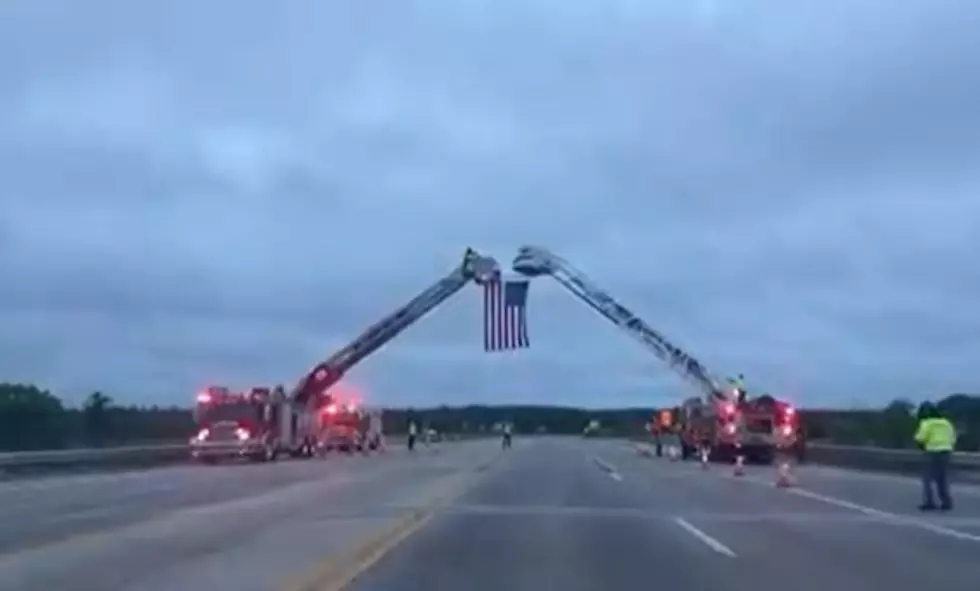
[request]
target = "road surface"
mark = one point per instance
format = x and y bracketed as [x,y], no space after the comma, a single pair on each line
[551,513]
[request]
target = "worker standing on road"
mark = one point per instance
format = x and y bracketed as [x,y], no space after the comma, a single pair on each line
[937,437]
[413,432]
[507,437]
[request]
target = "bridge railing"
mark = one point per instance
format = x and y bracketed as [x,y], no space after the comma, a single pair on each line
[847,456]
[876,459]
[131,456]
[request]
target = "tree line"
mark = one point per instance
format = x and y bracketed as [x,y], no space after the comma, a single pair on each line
[32,418]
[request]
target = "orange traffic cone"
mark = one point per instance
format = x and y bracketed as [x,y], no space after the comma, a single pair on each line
[783,477]
[739,469]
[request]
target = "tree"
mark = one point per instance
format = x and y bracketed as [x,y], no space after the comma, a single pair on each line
[95,414]
[896,425]
[30,418]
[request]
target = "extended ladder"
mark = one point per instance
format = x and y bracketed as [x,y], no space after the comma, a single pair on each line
[475,267]
[534,261]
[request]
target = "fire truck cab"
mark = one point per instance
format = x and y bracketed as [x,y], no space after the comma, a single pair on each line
[756,429]
[343,426]
[259,424]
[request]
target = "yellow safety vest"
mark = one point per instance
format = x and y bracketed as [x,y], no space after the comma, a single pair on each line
[936,435]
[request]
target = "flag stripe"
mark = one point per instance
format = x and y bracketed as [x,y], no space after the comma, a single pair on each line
[505,315]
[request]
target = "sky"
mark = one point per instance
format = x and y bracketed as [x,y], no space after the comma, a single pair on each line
[226,192]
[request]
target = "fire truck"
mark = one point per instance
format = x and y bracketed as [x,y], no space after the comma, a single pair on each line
[259,424]
[343,427]
[757,429]
[314,393]
[722,417]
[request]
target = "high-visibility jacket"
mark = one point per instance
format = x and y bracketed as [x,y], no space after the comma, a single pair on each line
[936,434]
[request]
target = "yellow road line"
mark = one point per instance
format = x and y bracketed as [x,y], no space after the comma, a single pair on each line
[335,573]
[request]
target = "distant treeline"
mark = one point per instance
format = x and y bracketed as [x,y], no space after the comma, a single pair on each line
[32,418]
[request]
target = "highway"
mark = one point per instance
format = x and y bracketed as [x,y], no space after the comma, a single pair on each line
[552,513]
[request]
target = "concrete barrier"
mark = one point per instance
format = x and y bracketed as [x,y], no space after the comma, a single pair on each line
[847,456]
[963,465]
[133,456]
[16,463]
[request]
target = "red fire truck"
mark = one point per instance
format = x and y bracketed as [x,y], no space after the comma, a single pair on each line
[343,427]
[756,429]
[259,424]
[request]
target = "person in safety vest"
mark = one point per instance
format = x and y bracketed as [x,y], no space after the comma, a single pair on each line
[937,438]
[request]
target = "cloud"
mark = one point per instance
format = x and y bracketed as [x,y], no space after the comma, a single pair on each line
[788,191]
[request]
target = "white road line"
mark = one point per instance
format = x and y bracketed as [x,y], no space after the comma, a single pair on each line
[708,540]
[608,468]
[886,516]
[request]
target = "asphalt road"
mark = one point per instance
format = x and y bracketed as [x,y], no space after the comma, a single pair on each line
[575,515]
[556,513]
[238,527]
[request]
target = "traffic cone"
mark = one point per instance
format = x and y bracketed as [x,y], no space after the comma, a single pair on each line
[784,479]
[739,469]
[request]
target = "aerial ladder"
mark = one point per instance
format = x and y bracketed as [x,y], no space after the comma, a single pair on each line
[534,261]
[312,389]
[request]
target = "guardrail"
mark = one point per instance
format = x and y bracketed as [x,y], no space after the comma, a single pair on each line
[127,456]
[965,465]
[133,456]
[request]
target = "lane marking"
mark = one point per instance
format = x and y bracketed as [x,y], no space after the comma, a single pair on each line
[886,516]
[157,515]
[608,468]
[708,540]
[337,572]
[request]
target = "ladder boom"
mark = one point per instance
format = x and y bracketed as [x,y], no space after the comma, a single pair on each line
[475,267]
[533,261]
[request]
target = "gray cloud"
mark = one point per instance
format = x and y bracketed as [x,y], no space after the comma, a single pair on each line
[786,190]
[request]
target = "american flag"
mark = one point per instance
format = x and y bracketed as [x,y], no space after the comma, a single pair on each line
[505,315]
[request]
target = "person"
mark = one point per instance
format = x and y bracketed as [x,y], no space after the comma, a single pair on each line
[738,384]
[937,438]
[507,437]
[412,434]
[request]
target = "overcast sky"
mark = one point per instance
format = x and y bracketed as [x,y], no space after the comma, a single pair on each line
[226,191]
